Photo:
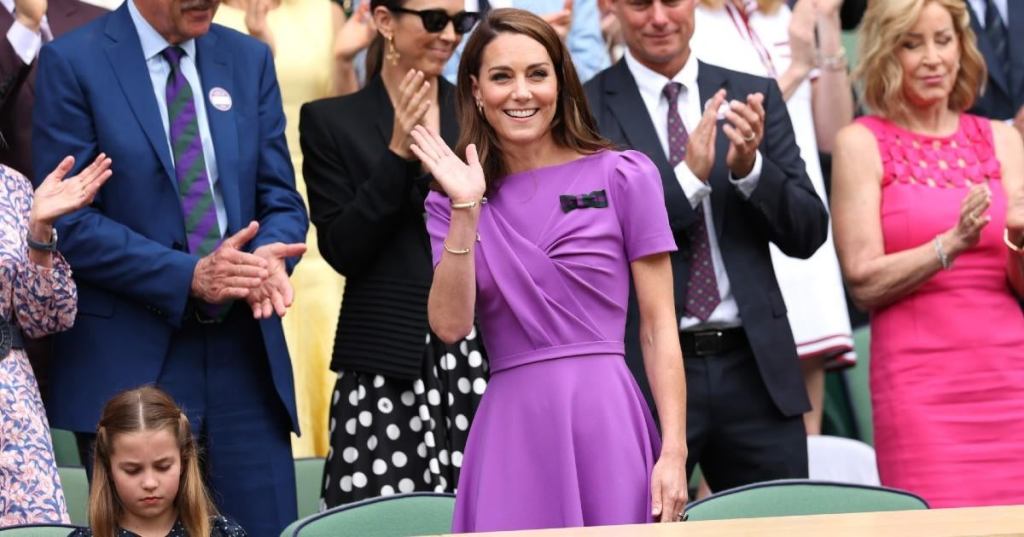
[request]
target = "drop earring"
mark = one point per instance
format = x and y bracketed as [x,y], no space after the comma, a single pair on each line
[480,107]
[391,55]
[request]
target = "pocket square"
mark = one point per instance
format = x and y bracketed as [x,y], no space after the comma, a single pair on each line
[596,199]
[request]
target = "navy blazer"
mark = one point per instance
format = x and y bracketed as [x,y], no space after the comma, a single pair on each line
[1004,89]
[128,250]
[783,209]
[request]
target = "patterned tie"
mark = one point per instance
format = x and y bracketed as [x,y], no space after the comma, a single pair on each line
[702,290]
[995,31]
[197,205]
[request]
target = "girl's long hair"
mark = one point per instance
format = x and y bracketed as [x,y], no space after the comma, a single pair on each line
[572,127]
[146,409]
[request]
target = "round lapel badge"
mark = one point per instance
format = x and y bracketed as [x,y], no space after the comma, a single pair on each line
[220,99]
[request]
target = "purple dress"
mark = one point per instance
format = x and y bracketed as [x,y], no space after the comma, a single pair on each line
[562,437]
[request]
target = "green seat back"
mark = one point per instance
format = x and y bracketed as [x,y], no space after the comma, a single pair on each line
[309,474]
[402,515]
[793,497]
[858,380]
[76,493]
[65,448]
[37,530]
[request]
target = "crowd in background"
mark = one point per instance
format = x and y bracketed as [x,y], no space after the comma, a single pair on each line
[440,167]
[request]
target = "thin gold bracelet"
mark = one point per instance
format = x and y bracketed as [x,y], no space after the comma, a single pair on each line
[1015,248]
[468,204]
[464,251]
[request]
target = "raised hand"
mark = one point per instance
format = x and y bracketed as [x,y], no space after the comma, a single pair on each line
[700,150]
[275,294]
[561,21]
[462,181]
[228,273]
[410,110]
[30,13]
[827,8]
[355,34]
[256,20]
[801,35]
[57,196]
[745,128]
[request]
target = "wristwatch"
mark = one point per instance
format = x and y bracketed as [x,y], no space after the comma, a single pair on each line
[43,246]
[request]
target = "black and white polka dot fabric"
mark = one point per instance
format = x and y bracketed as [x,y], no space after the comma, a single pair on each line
[392,436]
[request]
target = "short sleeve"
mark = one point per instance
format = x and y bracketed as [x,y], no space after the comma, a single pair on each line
[439,217]
[639,202]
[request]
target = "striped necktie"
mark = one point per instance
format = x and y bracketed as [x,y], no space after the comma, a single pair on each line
[702,295]
[200,213]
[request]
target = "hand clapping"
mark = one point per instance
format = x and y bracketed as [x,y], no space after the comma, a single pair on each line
[57,196]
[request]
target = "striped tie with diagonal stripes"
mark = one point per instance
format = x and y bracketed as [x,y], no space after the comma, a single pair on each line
[200,213]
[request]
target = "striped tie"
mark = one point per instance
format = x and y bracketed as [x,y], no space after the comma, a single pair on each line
[702,290]
[197,205]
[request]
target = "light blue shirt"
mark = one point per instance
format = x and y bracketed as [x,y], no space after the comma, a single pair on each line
[585,42]
[152,45]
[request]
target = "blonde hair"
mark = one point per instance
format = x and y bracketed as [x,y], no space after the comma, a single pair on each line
[766,6]
[880,73]
[146,409]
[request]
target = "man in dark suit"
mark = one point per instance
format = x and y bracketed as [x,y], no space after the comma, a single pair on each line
[999,26]
[182,261]
[24,27]
[733,182]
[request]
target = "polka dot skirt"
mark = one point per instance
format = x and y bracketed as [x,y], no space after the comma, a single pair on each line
[391,436]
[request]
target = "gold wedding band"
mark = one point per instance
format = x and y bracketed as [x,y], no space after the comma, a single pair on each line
[749,138]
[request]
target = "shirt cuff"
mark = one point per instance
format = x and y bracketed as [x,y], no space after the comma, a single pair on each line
[25,42]
[695,189]
[746,185]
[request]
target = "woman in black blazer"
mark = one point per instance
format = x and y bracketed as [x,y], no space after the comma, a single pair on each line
[403,400]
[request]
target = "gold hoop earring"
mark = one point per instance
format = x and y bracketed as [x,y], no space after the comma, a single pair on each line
[391,55]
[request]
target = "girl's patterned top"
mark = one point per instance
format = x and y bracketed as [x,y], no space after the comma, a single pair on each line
[219,527]
[39,300]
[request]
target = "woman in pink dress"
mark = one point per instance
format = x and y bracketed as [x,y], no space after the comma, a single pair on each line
[37,297]
[929,222]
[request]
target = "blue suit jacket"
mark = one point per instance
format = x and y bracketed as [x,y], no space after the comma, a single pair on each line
[128,249]
[1004,89]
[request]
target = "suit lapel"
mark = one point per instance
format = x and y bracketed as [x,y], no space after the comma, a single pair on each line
[626,104]
[386,118]
[215,71]
[709,81]
[129,67]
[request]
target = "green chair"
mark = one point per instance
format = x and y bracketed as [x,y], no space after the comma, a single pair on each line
[65,448]
[858,380]
[309,474]
[38,530]
[76,493]
[401,515]
[794,497]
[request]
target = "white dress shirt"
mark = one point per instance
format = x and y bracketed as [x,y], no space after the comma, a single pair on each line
[651,85]
[25,42]
[152,45]
[979,9]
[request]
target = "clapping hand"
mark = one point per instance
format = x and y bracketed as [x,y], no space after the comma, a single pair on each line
[410,110]
[802,47]
[256,20]
[561,21]
[228,273]
[57,196]
[972,220]
[275,293]
[355,34]
[700,150]
[462,181]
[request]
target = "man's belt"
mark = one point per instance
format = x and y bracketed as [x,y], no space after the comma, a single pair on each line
[709,342]
[10,338]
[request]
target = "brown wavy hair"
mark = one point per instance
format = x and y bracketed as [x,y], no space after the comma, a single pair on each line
[880,73]
[572,128]
[146,409]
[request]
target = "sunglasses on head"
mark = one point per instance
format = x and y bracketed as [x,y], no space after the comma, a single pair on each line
[435,20]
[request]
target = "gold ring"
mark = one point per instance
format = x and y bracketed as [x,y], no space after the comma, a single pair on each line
[749,138]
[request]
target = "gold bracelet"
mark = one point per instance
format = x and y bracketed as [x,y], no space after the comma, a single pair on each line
[1017,249]
[464,251]
[468,204]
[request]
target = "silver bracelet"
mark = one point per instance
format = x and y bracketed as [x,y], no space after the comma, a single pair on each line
[941,253]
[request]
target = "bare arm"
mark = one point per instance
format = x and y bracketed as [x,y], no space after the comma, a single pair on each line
[663,363]
[832,99]
[1011,158]
[875,278]
[350,37]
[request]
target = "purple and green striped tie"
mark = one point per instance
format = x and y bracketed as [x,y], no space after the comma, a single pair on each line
[197,205]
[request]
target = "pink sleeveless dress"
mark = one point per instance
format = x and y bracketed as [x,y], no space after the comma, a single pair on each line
[947,360]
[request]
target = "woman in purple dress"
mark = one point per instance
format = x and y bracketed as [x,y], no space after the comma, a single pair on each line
[562,437]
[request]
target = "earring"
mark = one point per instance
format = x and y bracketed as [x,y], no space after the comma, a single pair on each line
[391,55]
[480,106]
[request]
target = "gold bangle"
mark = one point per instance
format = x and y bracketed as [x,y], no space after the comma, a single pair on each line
[464,251]
[1017,249]
[468,204]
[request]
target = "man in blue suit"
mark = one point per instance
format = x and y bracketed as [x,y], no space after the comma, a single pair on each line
[182,261]
[999,25]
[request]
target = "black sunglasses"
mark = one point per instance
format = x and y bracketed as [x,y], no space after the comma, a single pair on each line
[435,20]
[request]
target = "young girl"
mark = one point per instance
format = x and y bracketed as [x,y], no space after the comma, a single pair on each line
[146,477]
